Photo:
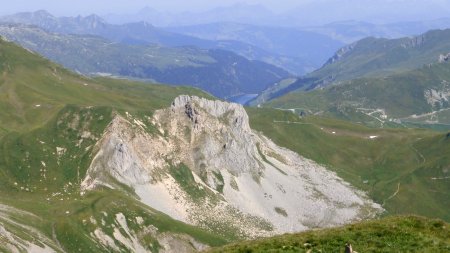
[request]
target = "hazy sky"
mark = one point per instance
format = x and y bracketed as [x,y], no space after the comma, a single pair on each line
[339,8]
[105,6]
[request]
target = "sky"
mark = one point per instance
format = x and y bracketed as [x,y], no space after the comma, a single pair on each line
[341,9]
[71,7]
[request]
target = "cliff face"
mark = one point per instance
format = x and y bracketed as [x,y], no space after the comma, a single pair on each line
[200,162]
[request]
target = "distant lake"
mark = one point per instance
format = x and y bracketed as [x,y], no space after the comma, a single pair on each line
[242,99]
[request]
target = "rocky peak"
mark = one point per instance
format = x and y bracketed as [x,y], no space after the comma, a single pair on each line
[42,14]
[341,53]
[207,167]
[193,105]
[94,19]
[415,42]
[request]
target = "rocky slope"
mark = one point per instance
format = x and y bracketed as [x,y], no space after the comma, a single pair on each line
[17,236]
[202,164]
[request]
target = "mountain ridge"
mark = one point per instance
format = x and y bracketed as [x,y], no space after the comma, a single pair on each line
[220,72]
[144,33]
[406,74]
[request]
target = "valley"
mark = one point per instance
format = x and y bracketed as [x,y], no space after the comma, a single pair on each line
[216,71]
[407,88]
[223,136]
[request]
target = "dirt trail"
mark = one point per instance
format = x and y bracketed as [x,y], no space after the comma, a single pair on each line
[337,132]
[418,153]
[393,195]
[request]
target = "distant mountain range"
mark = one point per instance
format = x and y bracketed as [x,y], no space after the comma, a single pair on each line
[298,49]
[240,12]
[219,72]
[286,48]
[307,13]
[351,30]
[310,48]
[131,33]
[316,44]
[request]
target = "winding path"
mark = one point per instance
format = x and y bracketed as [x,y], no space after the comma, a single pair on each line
[418,153]
[393,195]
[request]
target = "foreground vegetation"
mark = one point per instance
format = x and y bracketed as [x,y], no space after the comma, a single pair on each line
[394,234]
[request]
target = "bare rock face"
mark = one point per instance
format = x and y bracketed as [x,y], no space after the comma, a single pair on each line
[444,58]
[341,53]
[201,163]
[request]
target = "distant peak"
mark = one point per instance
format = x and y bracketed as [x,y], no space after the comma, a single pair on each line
[144,24]
[92,20]
[94,17]
[245,6]
[43,13]
[147,9]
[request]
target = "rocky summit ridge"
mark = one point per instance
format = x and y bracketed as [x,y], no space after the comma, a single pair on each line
[200,162]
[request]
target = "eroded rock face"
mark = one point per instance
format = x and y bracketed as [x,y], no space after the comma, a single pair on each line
[341,53]
[18,236]
[444,58]
[204,165]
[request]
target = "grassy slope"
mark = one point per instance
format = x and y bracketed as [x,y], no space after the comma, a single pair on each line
[395,234]
[29,81]
[400,95]
[35,178]
[403,159]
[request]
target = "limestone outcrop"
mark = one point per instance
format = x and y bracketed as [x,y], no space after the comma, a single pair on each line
[200,162]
